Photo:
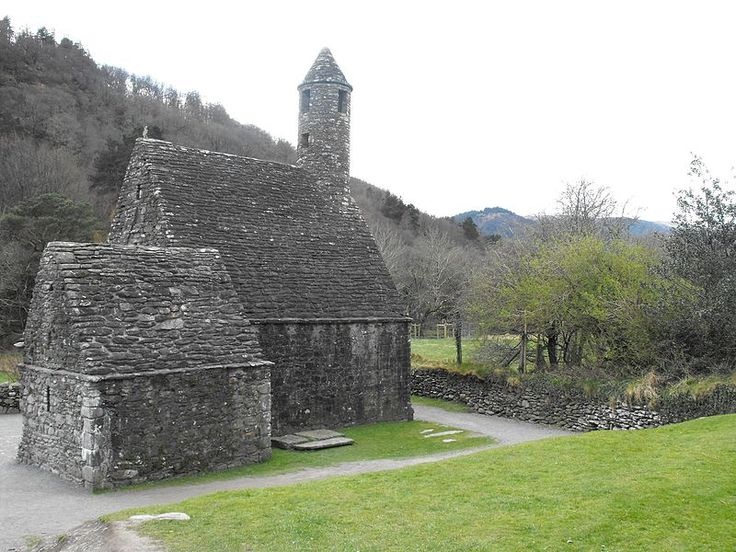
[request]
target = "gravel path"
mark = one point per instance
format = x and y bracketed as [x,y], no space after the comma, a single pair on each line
[36,503]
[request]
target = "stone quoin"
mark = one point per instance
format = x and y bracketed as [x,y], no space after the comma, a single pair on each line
[237,299]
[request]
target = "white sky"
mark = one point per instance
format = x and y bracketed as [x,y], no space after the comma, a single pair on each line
[457,105]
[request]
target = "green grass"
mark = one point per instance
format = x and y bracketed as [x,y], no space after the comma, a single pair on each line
[449,406]
[372,442]
[9,366]
[440,353]
[702,386]
[671,488]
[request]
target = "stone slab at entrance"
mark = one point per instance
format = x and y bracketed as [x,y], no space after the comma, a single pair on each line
[324,443]
[315,439]
[318,434]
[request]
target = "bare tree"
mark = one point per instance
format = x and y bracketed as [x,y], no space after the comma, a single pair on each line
[584,209]
[390,245]
[28,170]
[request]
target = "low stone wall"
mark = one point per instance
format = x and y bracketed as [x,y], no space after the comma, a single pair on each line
[9,397]
[570,409]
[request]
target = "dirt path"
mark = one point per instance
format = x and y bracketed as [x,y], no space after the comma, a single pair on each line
[36,503]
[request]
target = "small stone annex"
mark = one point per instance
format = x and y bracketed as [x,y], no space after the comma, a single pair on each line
[237,299]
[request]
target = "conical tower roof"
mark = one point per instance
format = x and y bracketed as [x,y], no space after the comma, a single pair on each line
[325,70]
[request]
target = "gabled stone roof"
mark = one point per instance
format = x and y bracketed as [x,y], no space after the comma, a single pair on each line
[325,70]
[293,247]
[101,309]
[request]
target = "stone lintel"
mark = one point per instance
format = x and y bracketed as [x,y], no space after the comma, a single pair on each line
[364,320]
[149,373]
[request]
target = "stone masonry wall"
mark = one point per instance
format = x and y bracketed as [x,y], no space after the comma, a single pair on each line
[327,153]
[332,374]
[52,423]
[9,397]
[189,422]
[565,408]
[112,432]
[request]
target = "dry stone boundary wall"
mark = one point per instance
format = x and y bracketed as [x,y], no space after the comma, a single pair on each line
[9,398]
[570,409]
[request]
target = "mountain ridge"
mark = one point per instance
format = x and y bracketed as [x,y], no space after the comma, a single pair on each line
[505,223]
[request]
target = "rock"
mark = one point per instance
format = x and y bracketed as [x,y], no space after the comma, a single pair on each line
[443,433]
[173,516]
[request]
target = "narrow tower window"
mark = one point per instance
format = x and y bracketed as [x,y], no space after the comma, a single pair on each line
[48,398]
[342,101]
[304,107]
[304,140]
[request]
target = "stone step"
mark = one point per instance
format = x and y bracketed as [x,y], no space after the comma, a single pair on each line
[325,437]
[324,443]
[287,442]
[319,434]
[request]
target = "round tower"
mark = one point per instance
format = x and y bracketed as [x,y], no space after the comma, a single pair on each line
[324,122]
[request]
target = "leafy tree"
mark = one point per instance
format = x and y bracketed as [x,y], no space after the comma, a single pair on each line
[111,164]
[6,30]
[24,232]
[470,229]
[585,297]
[702,249]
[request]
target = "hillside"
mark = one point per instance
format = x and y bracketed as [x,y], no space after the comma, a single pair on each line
[502,222]
[498,221]
[67,125]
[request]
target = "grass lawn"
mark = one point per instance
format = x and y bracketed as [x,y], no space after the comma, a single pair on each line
[440,353]
[449,406]
[372,442]
[6,378]
[8,366]
[670,488]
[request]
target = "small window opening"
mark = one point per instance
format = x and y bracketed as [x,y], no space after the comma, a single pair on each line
[304,140]
[342,101]
[304,106]
[48,399]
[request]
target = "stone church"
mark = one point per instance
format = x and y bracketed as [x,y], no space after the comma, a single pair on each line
[236,299]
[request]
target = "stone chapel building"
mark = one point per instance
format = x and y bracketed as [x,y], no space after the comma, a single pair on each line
[236,299]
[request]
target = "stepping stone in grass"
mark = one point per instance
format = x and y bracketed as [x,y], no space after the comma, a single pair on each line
[324,443]
[426,431]
[443,433]
[449,440]
[175,516]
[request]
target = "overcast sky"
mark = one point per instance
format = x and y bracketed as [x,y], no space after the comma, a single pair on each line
[457,105]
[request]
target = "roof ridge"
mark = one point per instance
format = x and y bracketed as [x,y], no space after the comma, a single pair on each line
[185,149]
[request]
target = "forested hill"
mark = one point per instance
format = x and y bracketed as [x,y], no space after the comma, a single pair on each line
[67,125]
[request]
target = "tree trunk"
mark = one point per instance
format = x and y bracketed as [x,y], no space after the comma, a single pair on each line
[552,348]
[539,360]
[459,341]
[522,351]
